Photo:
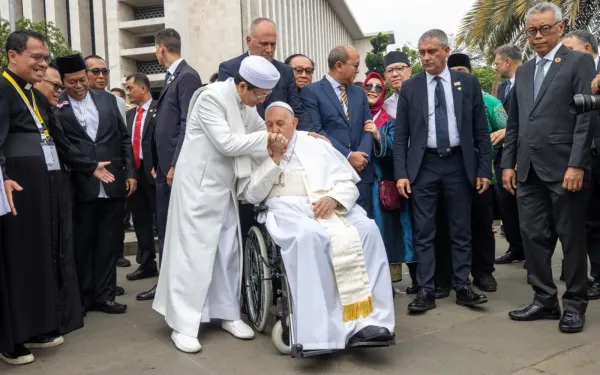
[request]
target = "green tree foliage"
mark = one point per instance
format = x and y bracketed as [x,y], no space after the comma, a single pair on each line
[413,57]
[57,43]
[374,59]
[487,77]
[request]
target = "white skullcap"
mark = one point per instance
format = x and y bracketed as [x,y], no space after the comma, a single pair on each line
[282,105]
[259,72]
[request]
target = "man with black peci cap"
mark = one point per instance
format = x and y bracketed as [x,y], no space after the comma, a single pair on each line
[397,70]
[92,121]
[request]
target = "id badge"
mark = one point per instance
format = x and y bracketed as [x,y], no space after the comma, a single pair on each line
[51,156]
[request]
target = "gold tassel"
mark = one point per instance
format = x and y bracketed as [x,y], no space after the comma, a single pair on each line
[355,310]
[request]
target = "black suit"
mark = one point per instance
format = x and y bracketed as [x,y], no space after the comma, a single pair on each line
[507,203]
[543,139]
[143,201]
[593,208]
[98,222]
[455,174]
[285,90]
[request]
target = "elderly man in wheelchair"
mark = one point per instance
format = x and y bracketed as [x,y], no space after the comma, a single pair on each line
[327,256]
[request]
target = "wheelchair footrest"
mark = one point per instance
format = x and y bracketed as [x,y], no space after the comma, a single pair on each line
[371,344]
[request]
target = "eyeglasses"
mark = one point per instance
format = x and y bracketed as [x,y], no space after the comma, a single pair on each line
[38,57]
[370,87]
[300,71]
[97,71]
[55,86]
[261,96]
[398,70]
[532,31]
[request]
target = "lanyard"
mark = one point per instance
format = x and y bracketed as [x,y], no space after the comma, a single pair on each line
[35,113]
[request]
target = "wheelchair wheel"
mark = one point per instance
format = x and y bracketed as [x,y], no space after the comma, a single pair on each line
[277,338]
[258,292]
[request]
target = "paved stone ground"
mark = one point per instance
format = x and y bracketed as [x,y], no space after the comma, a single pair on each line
[446,341]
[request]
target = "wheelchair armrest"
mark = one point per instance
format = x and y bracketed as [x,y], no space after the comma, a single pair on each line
[259,208]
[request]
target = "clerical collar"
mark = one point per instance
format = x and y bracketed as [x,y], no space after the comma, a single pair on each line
[20,81]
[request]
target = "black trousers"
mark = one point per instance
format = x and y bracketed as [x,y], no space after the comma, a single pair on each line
[446,176]
[163,194]
[542,206]
[507,204]
[593,220]
[365,198]
[143,209]
[98,237]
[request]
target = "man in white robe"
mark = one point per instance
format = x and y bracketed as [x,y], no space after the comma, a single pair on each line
[333,253]
[200,276]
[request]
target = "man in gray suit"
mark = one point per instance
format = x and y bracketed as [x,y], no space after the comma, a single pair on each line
[551,148]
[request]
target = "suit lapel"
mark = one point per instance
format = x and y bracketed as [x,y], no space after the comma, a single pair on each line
[424,94]
[148,120]
[169,83]
[554,68]
[102,113]
[69,114]
[130,117]
[501,90]
[456,87]
[528,76]
[328,89]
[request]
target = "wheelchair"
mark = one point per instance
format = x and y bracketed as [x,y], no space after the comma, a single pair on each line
[266,293]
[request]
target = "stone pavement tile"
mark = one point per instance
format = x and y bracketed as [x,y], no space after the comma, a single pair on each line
[99,350]
[532,371]
[582,360]
[428,355]
[34,368]
[524,343]
[166,364]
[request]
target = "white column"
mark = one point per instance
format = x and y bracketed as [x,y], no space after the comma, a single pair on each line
[114,42]
[100,29]
[81,38]
[57,14]
[33,10]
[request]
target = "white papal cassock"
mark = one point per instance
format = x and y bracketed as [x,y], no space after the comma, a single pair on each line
[202,241]
[313,168]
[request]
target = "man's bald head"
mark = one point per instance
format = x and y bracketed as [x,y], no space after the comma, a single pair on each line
[262,38]
[343,62]
[280,119]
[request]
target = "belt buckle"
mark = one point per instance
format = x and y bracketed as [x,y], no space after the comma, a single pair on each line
[442,153]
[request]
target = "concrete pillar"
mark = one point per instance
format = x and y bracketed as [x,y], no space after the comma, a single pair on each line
[81,36]
[100,29]
[57,14]
[114,41]
[33,10]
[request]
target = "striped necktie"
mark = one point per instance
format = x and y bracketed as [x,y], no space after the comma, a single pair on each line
[345,101]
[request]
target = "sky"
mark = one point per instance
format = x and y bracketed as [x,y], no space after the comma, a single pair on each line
[409,18]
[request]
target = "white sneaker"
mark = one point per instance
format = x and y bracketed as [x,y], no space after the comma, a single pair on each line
[43,342]
[238,329]
[185,343]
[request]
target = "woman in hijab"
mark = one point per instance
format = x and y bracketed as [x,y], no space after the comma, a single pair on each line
[393,222]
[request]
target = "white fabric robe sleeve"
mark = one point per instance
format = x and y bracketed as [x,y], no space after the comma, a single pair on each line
[346,193]
[213,121]
[261,181]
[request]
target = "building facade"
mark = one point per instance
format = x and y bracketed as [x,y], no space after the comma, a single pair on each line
[212,31]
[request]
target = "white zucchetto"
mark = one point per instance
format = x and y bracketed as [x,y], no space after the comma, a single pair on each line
[282,105]
[260,72]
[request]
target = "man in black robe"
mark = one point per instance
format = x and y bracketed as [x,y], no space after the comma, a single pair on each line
[92,121]
[39,299]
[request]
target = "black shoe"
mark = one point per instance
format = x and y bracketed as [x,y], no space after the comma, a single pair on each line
[412,289]
[143,273]
[466,296]
[44,341]
[19,356]
[593,291]
[534,312]
[442,292]
[571,322]
[509,257]
[486,283]
[147,296]
[371,334]
[110,307]
[119,291]
[423,301]
[123,262]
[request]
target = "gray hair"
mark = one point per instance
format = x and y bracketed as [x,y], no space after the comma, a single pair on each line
[258,21]
[339,53]
[510,51]
[436,34]
[584,37]
[545,7]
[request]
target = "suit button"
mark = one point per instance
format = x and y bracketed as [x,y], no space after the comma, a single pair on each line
[531,118]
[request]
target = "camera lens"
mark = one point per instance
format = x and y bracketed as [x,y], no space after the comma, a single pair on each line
[584,103]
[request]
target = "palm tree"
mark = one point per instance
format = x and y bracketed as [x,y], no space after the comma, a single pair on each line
[492,23]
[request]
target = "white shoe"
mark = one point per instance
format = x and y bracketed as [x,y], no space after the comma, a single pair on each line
[44,342]
[187,344]
[238,329]
[20,356]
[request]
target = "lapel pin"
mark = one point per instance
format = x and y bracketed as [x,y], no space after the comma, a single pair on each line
[457,83]
[557,60]
[60,105]
[459,88]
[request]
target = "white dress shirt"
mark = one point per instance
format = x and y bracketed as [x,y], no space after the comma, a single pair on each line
[174,66]
[146,107]
[596,63]
[452,125]
[86,113]
[391,104]
[550,57]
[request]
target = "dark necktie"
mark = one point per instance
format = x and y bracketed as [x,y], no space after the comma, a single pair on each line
[167,76]
[539,77]
[442,133]
[507,89]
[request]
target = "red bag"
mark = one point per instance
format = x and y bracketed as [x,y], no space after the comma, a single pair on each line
[388,195]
